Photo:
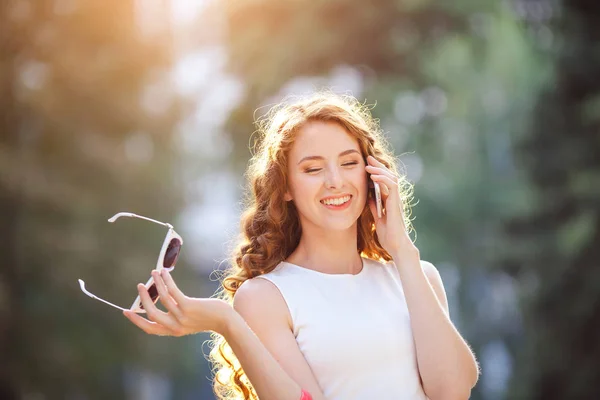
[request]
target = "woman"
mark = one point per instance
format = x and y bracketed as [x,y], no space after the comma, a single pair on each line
[323,298]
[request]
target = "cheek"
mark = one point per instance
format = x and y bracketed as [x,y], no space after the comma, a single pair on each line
[363,186]
[303,186]
[360,178]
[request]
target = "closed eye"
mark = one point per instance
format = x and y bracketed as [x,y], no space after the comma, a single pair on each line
[348,164]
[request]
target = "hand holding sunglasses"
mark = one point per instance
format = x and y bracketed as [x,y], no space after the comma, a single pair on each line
[185,315]
[166,260]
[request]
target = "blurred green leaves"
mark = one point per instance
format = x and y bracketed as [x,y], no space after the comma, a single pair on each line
[80,142]
[492,108]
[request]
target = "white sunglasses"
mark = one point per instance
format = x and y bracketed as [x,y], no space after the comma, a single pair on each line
[166,260]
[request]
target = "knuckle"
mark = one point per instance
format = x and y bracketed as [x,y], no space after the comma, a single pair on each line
[184,320]
[168,303]
[152,315]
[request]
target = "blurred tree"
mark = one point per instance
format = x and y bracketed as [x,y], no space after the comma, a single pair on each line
[86,121]
[270,42]
[561,357]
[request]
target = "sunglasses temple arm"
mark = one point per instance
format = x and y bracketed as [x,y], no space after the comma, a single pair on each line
[132,215]
[110,304]
[93,296]
[153,220]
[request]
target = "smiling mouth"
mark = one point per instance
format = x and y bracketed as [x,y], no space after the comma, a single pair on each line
[337,202]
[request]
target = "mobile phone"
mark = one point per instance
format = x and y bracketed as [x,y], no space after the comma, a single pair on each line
[378,198]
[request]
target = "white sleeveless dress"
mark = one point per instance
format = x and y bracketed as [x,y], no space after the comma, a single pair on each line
[353,330]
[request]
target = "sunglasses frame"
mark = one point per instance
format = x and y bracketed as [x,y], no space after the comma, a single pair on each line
[171,234]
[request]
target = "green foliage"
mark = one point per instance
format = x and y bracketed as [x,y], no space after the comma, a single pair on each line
[500,138]
[271,42]
[561,155]
[78,145]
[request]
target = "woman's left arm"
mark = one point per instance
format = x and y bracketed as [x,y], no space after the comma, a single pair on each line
[446,364]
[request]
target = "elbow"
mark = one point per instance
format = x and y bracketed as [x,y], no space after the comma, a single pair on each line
[459,389]
[455,385]
[455,393]
[458,394]
[473,377]
[449,391]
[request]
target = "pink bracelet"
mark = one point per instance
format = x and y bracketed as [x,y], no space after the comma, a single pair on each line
[305,395]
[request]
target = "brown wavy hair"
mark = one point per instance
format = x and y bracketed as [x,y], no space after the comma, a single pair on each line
[270,227]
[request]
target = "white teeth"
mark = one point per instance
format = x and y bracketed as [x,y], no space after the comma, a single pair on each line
[336,202]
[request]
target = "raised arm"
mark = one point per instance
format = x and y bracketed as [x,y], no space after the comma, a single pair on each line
[258,330]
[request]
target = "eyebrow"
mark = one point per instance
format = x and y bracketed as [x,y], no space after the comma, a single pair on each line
[343,153]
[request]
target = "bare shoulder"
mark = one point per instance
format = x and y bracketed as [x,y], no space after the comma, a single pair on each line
[263,307]
[259,300]
[430,270]
[435,280]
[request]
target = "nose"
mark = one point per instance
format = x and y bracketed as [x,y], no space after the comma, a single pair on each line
[333,178]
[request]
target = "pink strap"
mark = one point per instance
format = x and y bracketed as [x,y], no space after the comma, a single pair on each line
[305,395]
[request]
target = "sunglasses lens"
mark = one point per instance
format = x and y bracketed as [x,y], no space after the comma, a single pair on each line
[172,253]
[153,292]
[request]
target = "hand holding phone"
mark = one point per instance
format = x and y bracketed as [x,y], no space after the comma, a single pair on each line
[378,199]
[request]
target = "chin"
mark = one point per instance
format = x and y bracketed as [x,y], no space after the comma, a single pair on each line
[339,224]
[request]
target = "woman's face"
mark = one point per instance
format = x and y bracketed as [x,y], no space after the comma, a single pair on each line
[327,177]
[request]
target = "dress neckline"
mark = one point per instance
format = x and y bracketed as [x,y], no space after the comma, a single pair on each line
[341,276]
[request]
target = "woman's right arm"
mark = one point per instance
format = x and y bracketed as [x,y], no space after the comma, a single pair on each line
[260,334]
[258,329]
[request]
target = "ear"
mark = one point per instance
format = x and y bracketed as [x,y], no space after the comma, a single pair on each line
[287,196]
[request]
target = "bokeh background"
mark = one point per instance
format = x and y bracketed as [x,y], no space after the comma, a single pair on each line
[493,108]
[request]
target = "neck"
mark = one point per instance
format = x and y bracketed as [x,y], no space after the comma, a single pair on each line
[332,252]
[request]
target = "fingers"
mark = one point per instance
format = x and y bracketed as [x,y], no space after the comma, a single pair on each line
[377,168]
[149,327]
[164,296]
[373,162]
[154,314]
[380,171]
[389,186]
[159,322]
[172,288]
[389,182]
[384,191]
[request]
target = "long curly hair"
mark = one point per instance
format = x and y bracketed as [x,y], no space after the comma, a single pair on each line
[270,227]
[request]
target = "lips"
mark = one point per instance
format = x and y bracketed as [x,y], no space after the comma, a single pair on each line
[336,201]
